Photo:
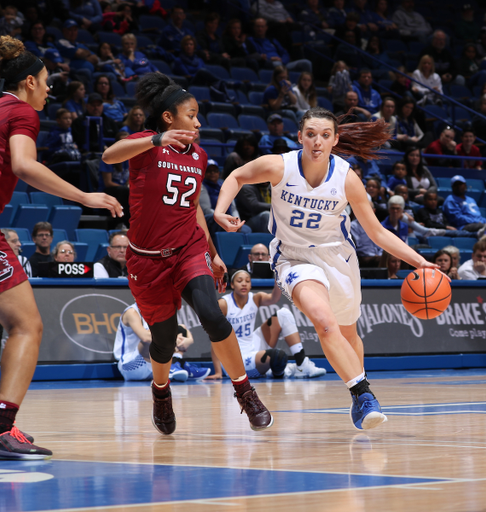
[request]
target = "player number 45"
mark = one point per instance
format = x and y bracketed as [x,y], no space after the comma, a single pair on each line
[172,189]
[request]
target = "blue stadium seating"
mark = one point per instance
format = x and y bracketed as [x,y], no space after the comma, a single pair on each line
[200,92]
[65,217]
[144,42]
[259,238]
[45,198]
[252,123]
[117,88]
[111,38]
[81,250]
[222,121]
[464,243]
[93,237]
[290,126]
[58,236]
[325,103]
[6,215]
[437,242]
[241,257]
[218,71]
[21,186]
[100,252]
[475,184]
[244,75]
[28,215]
[28,249]
[162,66]
[85,37]
[265,75]
[24,234]
[52,109]
[202,120]
[256,98]
[228,245]
[151,23]
[17,199]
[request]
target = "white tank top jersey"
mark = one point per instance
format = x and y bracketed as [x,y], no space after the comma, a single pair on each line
[242,320]
[303,216]
[126,341]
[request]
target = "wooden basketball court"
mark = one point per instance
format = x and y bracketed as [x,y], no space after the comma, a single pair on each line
[429,456]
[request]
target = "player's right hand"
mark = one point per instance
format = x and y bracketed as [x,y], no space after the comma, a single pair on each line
[228,222]
[179,138]
[101,200]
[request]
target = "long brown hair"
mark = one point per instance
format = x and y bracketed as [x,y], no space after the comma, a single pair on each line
[311,95]
[355,139]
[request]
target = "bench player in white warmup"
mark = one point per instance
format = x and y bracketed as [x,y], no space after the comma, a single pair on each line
[258,345]
[313,256]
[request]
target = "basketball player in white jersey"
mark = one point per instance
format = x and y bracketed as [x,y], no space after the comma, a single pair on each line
[258,345]
[313,255]
[131,349]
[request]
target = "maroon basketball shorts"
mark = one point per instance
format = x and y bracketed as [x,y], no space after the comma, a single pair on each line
[11,271]
[157,283]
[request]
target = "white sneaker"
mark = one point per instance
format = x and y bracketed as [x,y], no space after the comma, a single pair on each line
[435,232]
[290,370]
[308,369]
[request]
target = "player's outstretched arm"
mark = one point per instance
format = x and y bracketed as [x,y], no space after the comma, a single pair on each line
[128,148]
[268,168]
[267,299]
[356,195]
[26,167]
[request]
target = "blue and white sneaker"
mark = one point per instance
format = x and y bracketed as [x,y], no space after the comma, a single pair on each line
[195,372]
[177,373]
[365,412]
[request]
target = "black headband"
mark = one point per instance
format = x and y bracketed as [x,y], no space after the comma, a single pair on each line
[171,99]
[33,69]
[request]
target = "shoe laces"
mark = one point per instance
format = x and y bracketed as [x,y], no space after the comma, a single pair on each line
[367,405]
[251,402]
[17,434]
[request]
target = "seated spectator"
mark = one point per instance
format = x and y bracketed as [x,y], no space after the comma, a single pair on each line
[370,169]
[467,148]
[387,113]
[123,22]
[444,145]
[366,21]
[94,108]
[131,350]
[445,65]
[75,100]
[337,14]
[271,52]
[444,259]
[253,203]
[235,44]
[245,150]
[112,108]
[42,237]
[80,58]
[314,15]
[402,190]
[279,95]
[11,23]
[468,65]
[191,66]
[175,30]
[475,268]
[426,76]
[368,98]
[393,222]
[391,263]
[64,252]
[60,144]
[467,29]
[455,255]
[13,240]
[350,25]
[305,92]
[462,210]
[352,112]
[86,14]
[419,178]
[210,44]
[398,173]
[407,126]
[432,215]
[259,252]
[108,63]
[369,254]
[276,130]
[387,28]
[402,85]
[136,63]
[113,180]
[374,189]
[348,51]
[381,58]
[411,24]
[339,85]
[134,122]
[479,121]
[114,264]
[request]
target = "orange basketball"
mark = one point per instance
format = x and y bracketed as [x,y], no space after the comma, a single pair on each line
[426,293]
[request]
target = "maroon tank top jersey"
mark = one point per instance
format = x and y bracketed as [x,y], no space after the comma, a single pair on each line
[164,182]
[16,118]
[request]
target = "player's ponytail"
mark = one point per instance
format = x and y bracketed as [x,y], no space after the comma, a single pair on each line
[156,94]
[16,63]
[355,139]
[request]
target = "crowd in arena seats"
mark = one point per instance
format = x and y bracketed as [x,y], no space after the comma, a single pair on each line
[256,71]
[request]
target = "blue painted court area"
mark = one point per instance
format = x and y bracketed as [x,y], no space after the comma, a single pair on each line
[34,486]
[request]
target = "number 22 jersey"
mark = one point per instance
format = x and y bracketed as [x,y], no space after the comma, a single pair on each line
[164,183]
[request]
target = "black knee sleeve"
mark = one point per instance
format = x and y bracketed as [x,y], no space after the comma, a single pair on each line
[269,321]
[278,360]
[200,294]
[164,336]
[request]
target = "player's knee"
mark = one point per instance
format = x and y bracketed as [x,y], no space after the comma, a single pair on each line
[278,360]
[164,336]
[216,325]
[287,322]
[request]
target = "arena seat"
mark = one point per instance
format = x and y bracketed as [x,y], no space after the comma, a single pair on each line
[28,215]
[111,38]
[92,237]
[28,249]
[81,250]
[228,245]
[252,123]
[58,236]
[259,238]
[244,75]
[100,252]
[65,217]
[437,242]
[45,198]
[464,243]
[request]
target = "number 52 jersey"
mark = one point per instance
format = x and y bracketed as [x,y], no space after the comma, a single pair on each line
[164,183]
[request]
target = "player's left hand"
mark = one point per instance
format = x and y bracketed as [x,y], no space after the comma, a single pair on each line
[228,222]
[101,200]
[434,266]
[219,270]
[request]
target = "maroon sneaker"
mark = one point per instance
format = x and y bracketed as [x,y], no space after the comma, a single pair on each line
[15,446]
[163,417]
[258,415]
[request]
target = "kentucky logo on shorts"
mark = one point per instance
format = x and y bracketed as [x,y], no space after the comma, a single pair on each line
[291,277]
[6,270]
[208,261]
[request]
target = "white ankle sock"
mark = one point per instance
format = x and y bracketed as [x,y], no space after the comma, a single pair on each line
[355,381]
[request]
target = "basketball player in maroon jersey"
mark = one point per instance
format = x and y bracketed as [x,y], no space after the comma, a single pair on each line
[170,252]
[23,83]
